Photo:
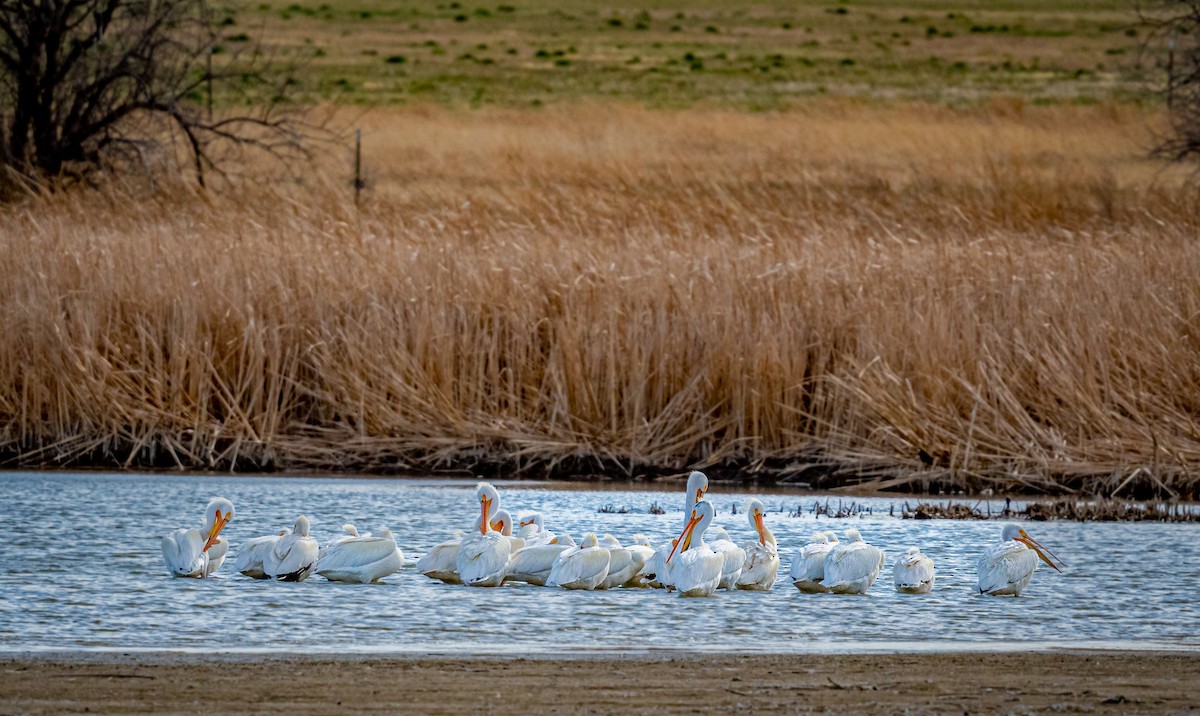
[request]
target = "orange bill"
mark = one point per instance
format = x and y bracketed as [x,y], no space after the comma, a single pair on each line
[214,533]
[1047,556]
[685,537]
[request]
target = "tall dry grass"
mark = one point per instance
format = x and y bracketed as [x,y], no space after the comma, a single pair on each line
[902,297]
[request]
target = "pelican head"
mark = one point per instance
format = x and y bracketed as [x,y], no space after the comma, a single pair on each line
[216,516]
[702,516]
[912,551]
[301,526]
[489,502]
[533,518]
[502,522]
[852,535]
[697,485]
[831,536]
[1015,532]
[819,538]
[610,542]
[387,534]
[589,540]
[564,539]
[754,513]
[642,540]
[350,529]
[720,533]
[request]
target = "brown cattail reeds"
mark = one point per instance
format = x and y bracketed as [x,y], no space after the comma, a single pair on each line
[896,297]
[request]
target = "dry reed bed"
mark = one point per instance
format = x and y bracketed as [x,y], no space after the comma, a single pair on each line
[907,296]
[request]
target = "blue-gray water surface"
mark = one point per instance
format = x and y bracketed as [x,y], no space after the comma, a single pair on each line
[82,570]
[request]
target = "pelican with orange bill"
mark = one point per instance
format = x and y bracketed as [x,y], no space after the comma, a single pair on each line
[1006,568]
[191,552]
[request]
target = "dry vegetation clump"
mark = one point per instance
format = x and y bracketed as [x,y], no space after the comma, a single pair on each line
[897,297]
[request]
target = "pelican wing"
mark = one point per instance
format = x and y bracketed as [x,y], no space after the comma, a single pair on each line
[582,565]
[291,556]
[533,564]
[761,567]
[252,554]
[1006,568]
[855,562]
[809,563]
[360,559]
[698,571]
[440,561]
[483,559]
[183,552]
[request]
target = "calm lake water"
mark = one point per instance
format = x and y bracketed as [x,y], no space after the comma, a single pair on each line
[82,570]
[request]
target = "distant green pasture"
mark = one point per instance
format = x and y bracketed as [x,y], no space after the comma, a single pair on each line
[755,55]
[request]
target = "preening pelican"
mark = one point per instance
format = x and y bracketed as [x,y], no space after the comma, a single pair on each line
[852,566]
[362,559]
[483,558]
[642,550]
[582,567]
[762,556]
[502,522]
[734,556]
[808,566]
[623,563]
[697,485]
[252,553]
[1007,567]
[533,563]
[913,573]
[294,556]
[532,529]
[695,567]
[196,553]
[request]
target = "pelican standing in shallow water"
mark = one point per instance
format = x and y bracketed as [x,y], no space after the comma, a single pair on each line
[762,557]
[293,557]
[695,567]
[195,553]
[483,558]
[913,573]
[362,559]
[697,485]
[808,566]
[1006,568]
[852,566]
[252,553]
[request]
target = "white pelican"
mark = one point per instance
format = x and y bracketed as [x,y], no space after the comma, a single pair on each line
[294,556]
[641,547]
[660,573]
[808,566]
[363,559]
[252,553]
[762,557]
[734,556]
[532,529]
[582,567]
[852,566]
[695,568]
[196,553]
[502,522]
[623,562]
[913,573]
[1008,567]
[483,558]
[533,563]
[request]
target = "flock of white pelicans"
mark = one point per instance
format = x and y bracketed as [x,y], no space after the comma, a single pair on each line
[490,554]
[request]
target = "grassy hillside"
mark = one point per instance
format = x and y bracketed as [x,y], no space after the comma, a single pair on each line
[757,55]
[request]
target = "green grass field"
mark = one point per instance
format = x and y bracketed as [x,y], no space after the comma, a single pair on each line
[761,55]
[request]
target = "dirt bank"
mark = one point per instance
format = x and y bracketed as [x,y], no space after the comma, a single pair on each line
[1104,682]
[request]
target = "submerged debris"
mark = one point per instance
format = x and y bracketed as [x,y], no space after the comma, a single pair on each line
[611,509]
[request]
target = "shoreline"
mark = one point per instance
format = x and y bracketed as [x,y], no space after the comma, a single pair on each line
[680,681]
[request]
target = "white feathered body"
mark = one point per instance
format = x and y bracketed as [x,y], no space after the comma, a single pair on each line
[698,571]
[851,567]
[582,567]
[483,559]
[761,566]
[913,573]
[532,563]
[252,553]
[361,560]
[292,558]
[734,558]
[623,565]
[644,554]
[1006,568]
[808,567]
[441,560]
[183,551]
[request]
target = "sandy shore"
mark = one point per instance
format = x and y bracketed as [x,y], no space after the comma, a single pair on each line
[1104,682]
